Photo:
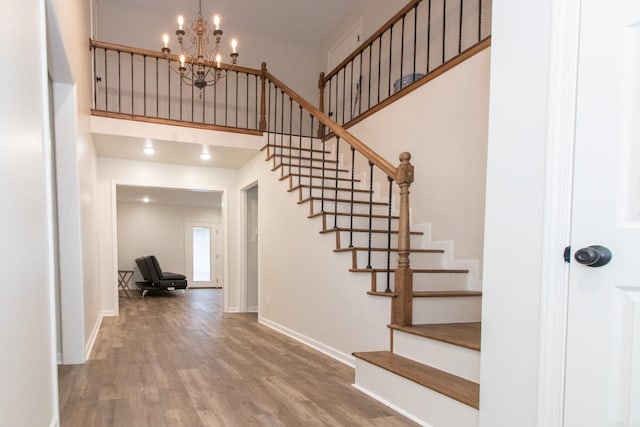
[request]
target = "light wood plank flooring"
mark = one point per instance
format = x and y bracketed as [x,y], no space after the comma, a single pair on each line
[174,359]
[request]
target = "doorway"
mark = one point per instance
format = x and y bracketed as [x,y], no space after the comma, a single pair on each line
[251,236]
[203,261]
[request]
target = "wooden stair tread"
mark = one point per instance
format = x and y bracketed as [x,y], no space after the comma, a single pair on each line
[286,156]
[332,170]
[319,187]
[309,150]
[431,294]
[365,230]
[411,251]
[330,178]
[461,334]
[415,270]
[328,200]
[457,388]
[359,215]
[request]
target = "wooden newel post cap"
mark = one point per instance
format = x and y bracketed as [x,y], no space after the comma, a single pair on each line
[321,81]
[264,67]
[404,172]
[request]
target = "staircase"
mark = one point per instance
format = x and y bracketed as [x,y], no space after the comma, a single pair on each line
[431,371]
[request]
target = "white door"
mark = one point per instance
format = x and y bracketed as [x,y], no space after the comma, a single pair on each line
[603,341]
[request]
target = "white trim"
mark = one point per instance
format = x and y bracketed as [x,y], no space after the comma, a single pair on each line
[233,309]
[109,313]
[114,248]
[336,354]
[391,405]
[561,119]
[252,309]
[92,338]
[54,422]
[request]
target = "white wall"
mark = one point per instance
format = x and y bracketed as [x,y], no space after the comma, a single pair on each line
[117,171]
[252,253]
[28,351]
[515,211]
[156,229]
[443,124]
[305,288]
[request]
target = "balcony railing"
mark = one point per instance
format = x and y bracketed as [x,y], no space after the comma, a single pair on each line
[420,40]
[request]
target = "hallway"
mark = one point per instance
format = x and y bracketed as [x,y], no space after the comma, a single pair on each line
[174,359]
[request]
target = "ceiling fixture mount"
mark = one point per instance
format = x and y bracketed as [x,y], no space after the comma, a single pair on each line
[149,151]
[200,65]
[205,156]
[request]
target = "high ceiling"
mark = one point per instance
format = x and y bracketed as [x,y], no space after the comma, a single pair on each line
[310,20]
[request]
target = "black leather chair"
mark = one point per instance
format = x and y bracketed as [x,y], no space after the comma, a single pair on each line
[155,278]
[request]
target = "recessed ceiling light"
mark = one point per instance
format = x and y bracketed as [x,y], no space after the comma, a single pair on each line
[149,151]
[146,199]
[205,156]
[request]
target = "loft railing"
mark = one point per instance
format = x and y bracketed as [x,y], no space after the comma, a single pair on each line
[289,118]
[138,84]
[141,84]
[415,45]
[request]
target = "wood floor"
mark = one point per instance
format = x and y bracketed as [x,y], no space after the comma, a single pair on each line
[174,359]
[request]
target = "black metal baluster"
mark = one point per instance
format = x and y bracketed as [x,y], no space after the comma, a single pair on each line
[379,64]
[181,99]
[291,135]
[237,86]
[337,84]
[203,94]
[215,104]
[370,213]
[322,184]
[106,82]
[131,84]
[389,236]
[390,57]
[353,171]
[119,85]
[193,117]
[479,20]
[226,101]
[460,28]
[281,127]
[369,84]
[169,89]
[428,35]
[95,78]
[329,112]
[247,103]
[335,203]
[444,28]
[157,91]
[300,146]
[402,52]
[351,94]
[359,87]
[311,161]
[344,92]
[275,120]
[269,119]
[144,86]
[415,36]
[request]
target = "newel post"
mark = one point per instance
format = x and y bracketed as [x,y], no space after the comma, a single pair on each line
[402,307]
[263,102]
[321,85]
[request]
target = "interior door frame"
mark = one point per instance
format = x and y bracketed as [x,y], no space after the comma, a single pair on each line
[243,248]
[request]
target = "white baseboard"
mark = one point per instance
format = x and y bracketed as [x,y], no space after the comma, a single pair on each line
[252,309]
[232,310]
[391,405]
[92,338]
[110,313]
[59,358]
[338,355]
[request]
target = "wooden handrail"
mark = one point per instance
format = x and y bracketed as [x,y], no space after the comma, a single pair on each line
[160,55]
[375,158]
[371,39]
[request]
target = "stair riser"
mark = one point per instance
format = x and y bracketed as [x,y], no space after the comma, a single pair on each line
[359,222]
[456,360]
[447,310]
[379,260]
[360,208]
[378,240]
[428,281]
[423,405]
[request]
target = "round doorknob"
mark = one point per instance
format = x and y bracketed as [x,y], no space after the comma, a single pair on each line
[593,256]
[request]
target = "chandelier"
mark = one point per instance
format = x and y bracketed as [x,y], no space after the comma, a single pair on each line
[200,65]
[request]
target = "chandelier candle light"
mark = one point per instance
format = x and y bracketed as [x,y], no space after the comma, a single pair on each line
[196,61]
